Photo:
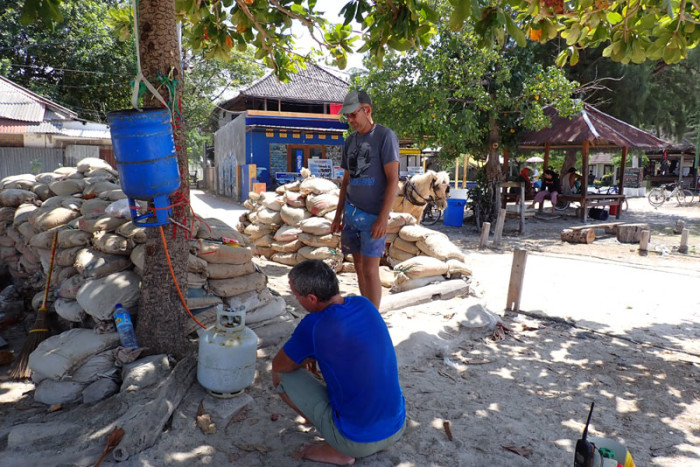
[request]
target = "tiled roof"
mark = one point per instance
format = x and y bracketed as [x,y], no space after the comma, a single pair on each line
[20,104]
[314,85]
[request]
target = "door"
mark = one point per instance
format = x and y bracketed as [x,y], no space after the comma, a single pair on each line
[298,155]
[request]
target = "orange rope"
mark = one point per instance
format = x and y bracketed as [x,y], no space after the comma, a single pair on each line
[172,273]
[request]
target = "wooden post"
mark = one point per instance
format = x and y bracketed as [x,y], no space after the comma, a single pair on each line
[684,242]
[517,274]
[621,184]
[522,209]
[457,172]
[545,164]
[499,226]
[506,162]
[644,242]
[464,171]
[485,227]
[584,182]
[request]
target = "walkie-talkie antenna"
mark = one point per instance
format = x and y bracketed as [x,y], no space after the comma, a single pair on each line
[585,430]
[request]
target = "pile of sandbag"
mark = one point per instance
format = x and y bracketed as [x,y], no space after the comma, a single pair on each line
[293,223]
[100,254]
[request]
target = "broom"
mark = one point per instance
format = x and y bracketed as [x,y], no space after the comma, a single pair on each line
[40,330]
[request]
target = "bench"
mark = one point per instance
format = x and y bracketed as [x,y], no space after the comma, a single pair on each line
[593,200]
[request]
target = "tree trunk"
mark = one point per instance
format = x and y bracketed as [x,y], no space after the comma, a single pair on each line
[569,161]
[630,233]
[578,236]
[493,171]
[162,318]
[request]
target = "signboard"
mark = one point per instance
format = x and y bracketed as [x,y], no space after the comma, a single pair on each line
[286,177]
[414,170]
[321,168]
[300,159]
[632,177]
[338,172]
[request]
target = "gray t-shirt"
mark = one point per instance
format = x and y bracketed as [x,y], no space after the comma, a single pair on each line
[364,157]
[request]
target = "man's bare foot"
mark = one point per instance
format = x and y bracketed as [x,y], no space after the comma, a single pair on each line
[323,452]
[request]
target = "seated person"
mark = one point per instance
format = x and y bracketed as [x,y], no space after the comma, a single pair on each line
[524,177]
[360,409]
[569,185]
[550,189]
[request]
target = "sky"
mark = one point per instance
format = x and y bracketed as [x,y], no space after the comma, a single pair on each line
[331,8]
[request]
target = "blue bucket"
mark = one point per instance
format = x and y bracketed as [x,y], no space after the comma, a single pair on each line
[454,214]
[146,160]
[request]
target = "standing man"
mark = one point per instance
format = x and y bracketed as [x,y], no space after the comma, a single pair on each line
[360,410]
[369,186]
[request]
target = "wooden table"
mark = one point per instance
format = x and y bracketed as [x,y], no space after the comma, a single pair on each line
[594,200]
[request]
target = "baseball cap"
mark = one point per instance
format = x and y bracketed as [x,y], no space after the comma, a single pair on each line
[353,100]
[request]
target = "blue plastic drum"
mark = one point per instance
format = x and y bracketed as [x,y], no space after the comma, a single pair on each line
[454,213]
[146,160]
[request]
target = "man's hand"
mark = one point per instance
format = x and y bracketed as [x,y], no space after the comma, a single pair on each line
[311,366]
[337,224]
[379,227]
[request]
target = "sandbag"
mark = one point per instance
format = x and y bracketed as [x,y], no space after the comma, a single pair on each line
[227,271]
[274,308]
[23,212]
[419,266]
[30,266]
[286,247]
[218,253]
[52,392]
[67,187]
[60,355]
[255,231]
[94,207]
[66,239]
[102,172]
[399,254]
[290,259]
[293,216]
[6,241]
[437,247]
[216,229]
[66,171]
[408,247]
[42,191]
[196,280]
[413,233]
[48,177]
[132,231]
[69,309]
[268,216]
[95,189]
[456,268]
[295,199]
[112,195]
[287,233]
[112,243]
[318,205]
[316,226]
[66,256]
[14,197]
[138,257]
[317,186]
[6,182]
[194,264]
[397,220]
[198,298]
[238,285]
[329,240]
[65,273]
[68,288]
[95,264]
[319,253]
[264,242]
[7,214]
[91,163]
[104,222]
[272,201]
[98,366]
[415,283]
[99,297]
[250,301]
[26,230]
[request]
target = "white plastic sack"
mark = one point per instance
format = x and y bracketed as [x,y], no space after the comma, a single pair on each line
[99,297]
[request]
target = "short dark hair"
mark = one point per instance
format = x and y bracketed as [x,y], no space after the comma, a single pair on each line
[571,170]
[314,277]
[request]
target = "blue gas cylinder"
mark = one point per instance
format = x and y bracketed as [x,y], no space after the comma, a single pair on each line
[146,160]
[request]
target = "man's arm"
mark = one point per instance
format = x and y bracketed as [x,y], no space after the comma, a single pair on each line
[336,226]
[391,170]
[283,364]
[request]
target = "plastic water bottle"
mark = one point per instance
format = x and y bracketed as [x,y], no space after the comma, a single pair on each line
[125,328]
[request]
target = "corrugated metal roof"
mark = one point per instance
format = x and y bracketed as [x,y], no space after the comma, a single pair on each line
[12,127]
[311,85]
[18,103]
[594,126]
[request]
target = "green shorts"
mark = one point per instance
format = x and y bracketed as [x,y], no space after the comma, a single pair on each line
[310,396]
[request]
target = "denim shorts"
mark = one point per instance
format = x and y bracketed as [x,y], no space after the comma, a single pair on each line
[311,397]
[357,233]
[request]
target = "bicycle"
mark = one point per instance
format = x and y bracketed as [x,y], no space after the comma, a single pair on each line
[661,194]
[431,214]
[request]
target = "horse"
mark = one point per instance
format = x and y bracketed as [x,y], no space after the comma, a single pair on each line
[415,193]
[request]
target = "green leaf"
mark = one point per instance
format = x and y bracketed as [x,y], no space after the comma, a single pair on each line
[561,58]
[574,57]
[613,17]
[573,34]
[637,53]
[515,32]
[461,10]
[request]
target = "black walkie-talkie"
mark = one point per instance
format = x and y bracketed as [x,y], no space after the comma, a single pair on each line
[585,451]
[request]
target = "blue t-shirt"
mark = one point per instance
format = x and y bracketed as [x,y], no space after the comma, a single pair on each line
[364,157]
[352,346]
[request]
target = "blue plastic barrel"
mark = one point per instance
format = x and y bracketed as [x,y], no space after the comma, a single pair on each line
[146,160]
[454,213]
